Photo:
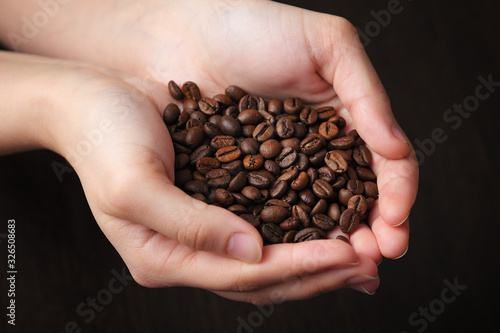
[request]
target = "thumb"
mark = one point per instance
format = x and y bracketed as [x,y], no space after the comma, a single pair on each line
[157,204]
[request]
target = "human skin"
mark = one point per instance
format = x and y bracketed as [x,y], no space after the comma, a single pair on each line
[269,49]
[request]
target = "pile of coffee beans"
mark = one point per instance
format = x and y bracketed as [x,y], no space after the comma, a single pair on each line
[286,168]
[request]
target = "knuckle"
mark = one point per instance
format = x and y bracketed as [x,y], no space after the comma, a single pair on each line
[120,190]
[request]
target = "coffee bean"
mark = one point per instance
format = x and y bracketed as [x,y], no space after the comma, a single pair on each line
[247,102]
[272,167]
[285,128]
[263,132]
[175,91]
[199,116]
[189,106]
[208,106]
[362,155]
[224,100]
[355,186]
[195,186]
[250,117]
[233,167]
[328,130]
[292,142]
[300,183]
[182,177]
[289,236]
[309,234]
[270,149]
[290,223]
[230,126]
[235,93]
[206,164]
[371,189]
[275,107]
[238,182]
[338,121]
[222,141]
[334,211]
[237,209]
[335,161]
[351,173]
[308,116]
[274,214]
[343,238]
[231,111]
[211,129]
[289,174]
[313,175]
[311,144]
[339,182]
[344,142]
[240,199]
[252,219]
[292,105]
[194,137]
[249,146]
[278,189]
[260,179]
[224,197]
[198,176]
[300,131]
[358,204]
[318,158]
[327,174]
[325,112]
[344,196]
[319,208]
[191,90]
[247,130]
[183,118]
[322,189]
[218,178]
[365,173]
[171,113]
[251,192]
[201,151]
[323,222]
[253,162]
[357,138]
[272,233]
[307,195]
[290,197]
[181,161]
[267,117]
[287,157]
[349,221]
[228,154]
[299,213]
[302,162]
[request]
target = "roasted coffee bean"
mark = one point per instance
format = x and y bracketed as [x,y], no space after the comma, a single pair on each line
[224,197]
[224,100]
[287,157]
[199,116]
[309,234]
[328,130]
[300,183]
[233,167]
[355,186]
[290,223]
[199,196]
[231,111]
[349,221]
[335,161]
[357,138]
[370,202]
[251,192]
[285,128]
[289,174]
[222,141]
[240,199]
[318,158]
[218,178]
[300,131]
[206,164]
[201,151]
[339,182]
[247,102]
[274,214]
[325,112]
[263,132]
[253,162]
[208,106]
[365,173]
[292,105]
[215,119]
[183,118]
[171,114]
[275,107]
[278,202]
[322,189]
[180,149]
[323,222]
[313,128]
[194,137]
[235,93]
[351,173]
[292,142]
[238,182]
[230,126]
[247,130]
[313,175]
[249,146]
[198,176]
[344,142]
[252,219]
[289,236]
[308,116]
[211,129]
[264,196]
[362,155]
[256,209]
[191,90]
[270,149]
[371,189]
[260,179]
[327,174]
[358,204]
[311,144]
[278,189]
[195,186]
[338,121]
[343,238]
[181,161]
[299,213]
[272,167]
[238,209]
[334,211]
[179,137]
[261,104]
[290,197]
[319,208]
[228,154]
[302,162]
[271,233]
[307,195]
[182,177]
[267,117]
[189,106]
[344,196]
[250,117]
[175,91]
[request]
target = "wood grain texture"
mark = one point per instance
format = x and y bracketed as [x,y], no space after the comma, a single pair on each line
[429,58]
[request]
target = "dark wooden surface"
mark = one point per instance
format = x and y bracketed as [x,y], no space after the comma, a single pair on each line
[429,57]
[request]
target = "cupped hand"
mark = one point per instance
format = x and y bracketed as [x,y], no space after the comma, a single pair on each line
[274,50]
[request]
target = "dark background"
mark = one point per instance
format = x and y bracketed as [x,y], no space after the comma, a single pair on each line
[429,58]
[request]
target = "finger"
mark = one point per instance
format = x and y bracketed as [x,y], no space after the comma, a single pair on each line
[392,240]
[364,242]
[342,61]
[153,201]
[307,286]
[397,182]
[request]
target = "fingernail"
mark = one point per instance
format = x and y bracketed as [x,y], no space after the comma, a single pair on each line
[244,248]
[361,288]
[404,220]
[361,278]
[398,133]
[401,256]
